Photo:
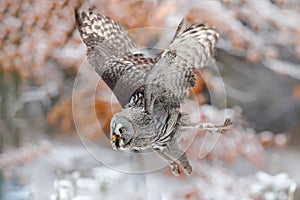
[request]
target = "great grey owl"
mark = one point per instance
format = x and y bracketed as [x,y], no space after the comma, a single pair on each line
[150,90]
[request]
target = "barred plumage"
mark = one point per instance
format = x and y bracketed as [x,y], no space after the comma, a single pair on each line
[169,80]
[109,52]
[150,90]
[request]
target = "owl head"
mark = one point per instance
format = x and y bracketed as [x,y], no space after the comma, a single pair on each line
[121,131]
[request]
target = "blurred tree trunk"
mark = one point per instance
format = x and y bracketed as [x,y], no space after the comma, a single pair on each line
[9,85]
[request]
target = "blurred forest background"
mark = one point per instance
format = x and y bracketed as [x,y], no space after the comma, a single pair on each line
[258,57]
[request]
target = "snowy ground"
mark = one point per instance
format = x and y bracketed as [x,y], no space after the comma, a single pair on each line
[70,172]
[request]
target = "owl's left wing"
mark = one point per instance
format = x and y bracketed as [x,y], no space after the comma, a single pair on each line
[110,52]
[168,82]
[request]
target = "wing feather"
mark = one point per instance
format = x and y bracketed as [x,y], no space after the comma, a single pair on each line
[109,52]
[168,82]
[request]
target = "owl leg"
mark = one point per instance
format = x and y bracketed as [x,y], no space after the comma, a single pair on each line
[221,128]
[175,167]
[177,158]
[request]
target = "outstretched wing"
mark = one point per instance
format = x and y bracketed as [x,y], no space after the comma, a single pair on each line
[125,76]
[109,52]
[98,31]
[168,82]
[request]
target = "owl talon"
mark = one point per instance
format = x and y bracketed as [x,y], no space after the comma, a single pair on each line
[227,123]
[188,170]
[176,169]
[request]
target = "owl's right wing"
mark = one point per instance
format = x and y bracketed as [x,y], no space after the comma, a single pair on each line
[109,52]
[168,82]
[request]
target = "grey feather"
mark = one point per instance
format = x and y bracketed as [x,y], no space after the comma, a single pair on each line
[172,76]
[109,52]
[149,90]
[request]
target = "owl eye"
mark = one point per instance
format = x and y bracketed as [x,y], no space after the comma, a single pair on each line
[122,130]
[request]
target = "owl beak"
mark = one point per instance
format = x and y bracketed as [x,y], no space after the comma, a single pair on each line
[116,140]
